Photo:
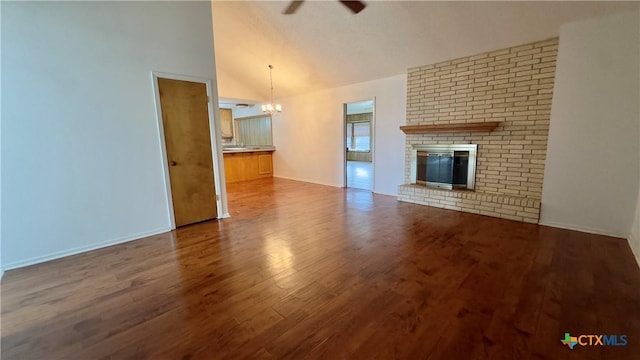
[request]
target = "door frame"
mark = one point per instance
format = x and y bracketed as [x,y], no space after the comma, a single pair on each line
[371,141]
[214,130]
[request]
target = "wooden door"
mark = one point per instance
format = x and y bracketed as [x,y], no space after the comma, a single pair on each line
[185,118]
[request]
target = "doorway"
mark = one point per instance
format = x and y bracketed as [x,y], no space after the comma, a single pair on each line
[359,121]
[184,108]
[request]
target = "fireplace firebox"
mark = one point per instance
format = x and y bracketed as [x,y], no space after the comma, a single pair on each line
[444,166]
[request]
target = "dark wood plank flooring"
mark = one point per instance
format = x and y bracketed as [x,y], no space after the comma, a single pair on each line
[309,271]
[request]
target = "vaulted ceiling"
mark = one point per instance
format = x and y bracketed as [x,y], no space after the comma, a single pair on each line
[323,45]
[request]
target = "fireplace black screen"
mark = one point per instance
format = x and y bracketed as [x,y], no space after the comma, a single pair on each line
[443,169]
[440,168]
[460,168]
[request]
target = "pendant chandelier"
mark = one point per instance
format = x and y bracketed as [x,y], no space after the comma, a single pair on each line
[271,107]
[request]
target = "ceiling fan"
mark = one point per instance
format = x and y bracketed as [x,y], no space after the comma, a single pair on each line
[354,6]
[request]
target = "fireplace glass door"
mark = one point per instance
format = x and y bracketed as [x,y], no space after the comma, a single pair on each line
[444,166]
[460,168]
[440,168]
[443,169]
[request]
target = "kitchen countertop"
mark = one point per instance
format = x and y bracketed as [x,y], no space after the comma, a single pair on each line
[243,149]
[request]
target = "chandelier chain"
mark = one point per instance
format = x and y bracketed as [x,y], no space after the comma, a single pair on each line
[271,108]
[271,80]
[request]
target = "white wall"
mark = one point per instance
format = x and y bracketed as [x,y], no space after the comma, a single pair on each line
[592,170]
[231,88]
[634,235]
[248,111]
[81,161]
[1,267]
[309,132]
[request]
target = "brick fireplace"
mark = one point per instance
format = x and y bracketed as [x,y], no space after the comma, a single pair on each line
[499,101]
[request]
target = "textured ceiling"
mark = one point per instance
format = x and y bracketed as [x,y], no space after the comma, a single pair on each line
[323,45]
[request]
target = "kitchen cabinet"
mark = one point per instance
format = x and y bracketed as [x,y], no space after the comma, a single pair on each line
[226,123]
[265,164]
[242,166]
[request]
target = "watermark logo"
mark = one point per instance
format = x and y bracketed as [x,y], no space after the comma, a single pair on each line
[569,340]
[594,340]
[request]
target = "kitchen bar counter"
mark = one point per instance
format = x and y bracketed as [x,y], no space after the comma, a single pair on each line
[248,163]
[243,149]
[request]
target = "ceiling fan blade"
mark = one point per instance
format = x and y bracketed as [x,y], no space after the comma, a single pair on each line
[293,7]
[355,6]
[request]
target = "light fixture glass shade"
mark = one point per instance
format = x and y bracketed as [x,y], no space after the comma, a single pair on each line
[271,108]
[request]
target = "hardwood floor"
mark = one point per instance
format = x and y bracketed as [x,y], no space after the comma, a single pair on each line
[309,271]
[360,175]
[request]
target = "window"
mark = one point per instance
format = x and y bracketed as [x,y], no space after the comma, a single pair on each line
[254,130]
[359,136]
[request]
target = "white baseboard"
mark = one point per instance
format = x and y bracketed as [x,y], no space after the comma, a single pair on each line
[80,249]
[326,184]
[306,180]
[384,193]
[582,229]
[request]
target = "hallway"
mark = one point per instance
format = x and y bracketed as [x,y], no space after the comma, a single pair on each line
[360,175]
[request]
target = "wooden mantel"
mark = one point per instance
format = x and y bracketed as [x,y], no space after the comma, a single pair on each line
[450,128]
